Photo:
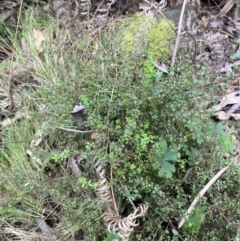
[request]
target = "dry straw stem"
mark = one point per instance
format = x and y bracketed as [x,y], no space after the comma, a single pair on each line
[122,227]
[179,33]
[202,192]
[19,234]
[74,130]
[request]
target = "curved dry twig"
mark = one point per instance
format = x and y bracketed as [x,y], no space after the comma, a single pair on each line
[203,191]
[122,227]
[104,191]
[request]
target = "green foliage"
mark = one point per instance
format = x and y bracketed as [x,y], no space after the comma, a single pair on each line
[154,138]
[111,237]
[61,156]
[159,37]
[145,30]
[193,223]
[165,157]
[152,132]
[218,133]
[18,179]
[237,54]
[87,184]
[6,35]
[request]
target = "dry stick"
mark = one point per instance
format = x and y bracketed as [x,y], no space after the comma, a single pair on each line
[9,89]
[112,192]
[202,192]
[111,185]
[99,6]
[179,33]
[73,130]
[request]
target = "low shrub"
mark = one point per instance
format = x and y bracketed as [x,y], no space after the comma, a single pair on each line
[152,134]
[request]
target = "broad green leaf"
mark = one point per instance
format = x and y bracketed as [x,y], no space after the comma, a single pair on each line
[165,157]
[167,169]
[111,237]
[168,154]
[217,130]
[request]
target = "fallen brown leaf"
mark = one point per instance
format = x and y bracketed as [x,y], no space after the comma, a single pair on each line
[222,115]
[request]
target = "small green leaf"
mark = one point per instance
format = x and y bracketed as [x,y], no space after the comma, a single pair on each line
[158,76]
[175,232]
[111,237]
[220,134]
[235,56]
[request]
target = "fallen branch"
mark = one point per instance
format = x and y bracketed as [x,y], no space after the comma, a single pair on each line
[179,33]
[73,130]
[202,192]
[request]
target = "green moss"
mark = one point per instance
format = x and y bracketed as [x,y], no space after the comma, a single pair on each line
[144,31]
[159,37]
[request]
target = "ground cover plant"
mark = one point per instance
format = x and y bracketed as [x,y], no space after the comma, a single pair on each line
[149,131]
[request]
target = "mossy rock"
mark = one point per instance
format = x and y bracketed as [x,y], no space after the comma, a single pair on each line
[144,32]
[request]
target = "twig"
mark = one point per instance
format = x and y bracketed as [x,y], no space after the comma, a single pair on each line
[128,195]
[73,130]
[111,186]
[202,192]
[99,6]
[112,192]
[179,33]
